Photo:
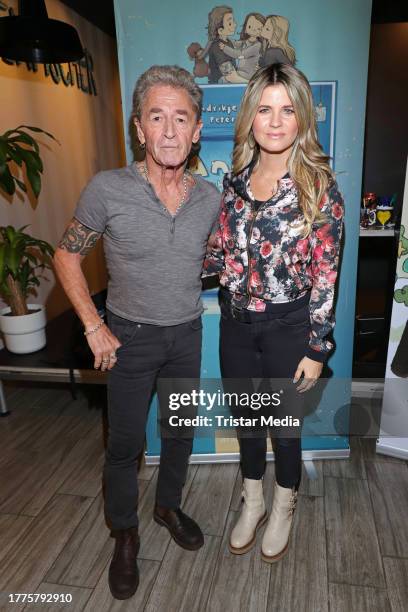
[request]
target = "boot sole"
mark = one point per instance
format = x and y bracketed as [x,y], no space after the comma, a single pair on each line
[247,547]
[121,596]
[277,557]
[160,521]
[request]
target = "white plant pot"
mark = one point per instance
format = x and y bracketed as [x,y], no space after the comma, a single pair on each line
[24,333]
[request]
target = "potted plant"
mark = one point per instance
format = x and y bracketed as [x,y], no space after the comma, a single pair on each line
[23,258]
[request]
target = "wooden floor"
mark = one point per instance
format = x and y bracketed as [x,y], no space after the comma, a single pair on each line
[348,551]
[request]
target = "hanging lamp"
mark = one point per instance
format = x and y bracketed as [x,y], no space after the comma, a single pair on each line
[31,36]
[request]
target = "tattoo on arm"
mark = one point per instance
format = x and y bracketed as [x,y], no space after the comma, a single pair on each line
[78,238]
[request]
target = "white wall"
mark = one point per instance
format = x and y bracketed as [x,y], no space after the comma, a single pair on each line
[89,129]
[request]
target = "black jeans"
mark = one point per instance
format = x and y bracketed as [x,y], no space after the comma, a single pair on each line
[147,352]
[267,350]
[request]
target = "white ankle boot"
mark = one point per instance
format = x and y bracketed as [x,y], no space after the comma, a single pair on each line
[276,537]
[253,515]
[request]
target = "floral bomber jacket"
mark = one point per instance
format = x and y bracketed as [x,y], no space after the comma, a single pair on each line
[261,257]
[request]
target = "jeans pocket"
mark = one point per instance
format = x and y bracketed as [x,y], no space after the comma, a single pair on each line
[123,329]
[295,318]
[196,324]
[225,310]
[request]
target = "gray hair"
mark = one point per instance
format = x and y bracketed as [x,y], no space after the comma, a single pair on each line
[174,76]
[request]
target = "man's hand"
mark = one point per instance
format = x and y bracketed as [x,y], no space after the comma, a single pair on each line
[103,345]
[311,371]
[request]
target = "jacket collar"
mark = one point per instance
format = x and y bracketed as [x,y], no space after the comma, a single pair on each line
[240,181]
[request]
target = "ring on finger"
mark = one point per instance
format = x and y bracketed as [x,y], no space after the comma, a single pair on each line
[105,360]
[112,356]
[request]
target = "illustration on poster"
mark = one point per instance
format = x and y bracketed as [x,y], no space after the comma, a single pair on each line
[262,41]
[399,365]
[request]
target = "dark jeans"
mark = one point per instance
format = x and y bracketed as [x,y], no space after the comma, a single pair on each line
[147,352]
[267,350]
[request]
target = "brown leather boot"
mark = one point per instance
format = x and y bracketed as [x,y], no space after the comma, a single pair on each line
[183,529]
[123,570]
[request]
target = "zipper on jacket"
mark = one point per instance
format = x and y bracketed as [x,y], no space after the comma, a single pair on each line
[254,216]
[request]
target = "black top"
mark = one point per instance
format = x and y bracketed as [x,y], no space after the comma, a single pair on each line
[216,57]
[258,203]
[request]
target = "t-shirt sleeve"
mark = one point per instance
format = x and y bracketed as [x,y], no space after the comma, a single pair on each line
[91,207]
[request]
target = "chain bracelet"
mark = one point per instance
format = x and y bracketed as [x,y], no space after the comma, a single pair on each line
[94,329]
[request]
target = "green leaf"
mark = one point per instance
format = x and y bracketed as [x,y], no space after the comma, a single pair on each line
[35,181]
[20,184]
[2,262]
[14,152]
[45,248]
[8,134]
[27,139]
[24,274]
[36,129]
[3,150]
[14,259]
[11,234]
[6,180]
[32,160]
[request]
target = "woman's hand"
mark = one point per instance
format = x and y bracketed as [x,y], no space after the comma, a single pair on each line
[221,45]
[311,371]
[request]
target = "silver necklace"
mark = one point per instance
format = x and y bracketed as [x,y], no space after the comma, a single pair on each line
[274,191]
[185,185]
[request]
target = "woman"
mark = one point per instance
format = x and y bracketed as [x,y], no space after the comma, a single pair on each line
[276,47]
[277,249]
[246,50]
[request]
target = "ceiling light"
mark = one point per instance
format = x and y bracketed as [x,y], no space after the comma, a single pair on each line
[31,36]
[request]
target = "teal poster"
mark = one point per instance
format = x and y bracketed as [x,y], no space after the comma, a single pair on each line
[223,46]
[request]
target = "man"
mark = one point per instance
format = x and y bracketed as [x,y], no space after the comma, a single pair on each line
[155,219]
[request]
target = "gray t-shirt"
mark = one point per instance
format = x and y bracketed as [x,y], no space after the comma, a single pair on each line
[154,259]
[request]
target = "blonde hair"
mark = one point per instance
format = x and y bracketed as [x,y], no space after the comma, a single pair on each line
[279,37]
[308,165]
